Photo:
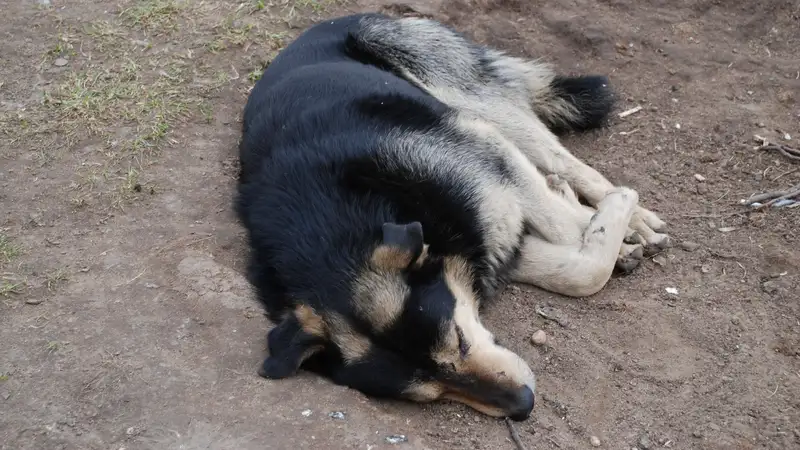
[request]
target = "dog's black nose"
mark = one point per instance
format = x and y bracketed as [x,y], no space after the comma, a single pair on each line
[524,405]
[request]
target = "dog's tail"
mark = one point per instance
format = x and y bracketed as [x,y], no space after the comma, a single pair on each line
[435,57]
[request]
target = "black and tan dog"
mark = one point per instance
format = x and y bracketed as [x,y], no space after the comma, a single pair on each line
[394,175]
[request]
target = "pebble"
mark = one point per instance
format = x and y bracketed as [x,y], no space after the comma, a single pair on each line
[699,177]
[702,189]
[595,441]
[60,62]
[396,439]
[306,413]
[661,260]
[539,337]
[338,415]
[644,442]
[33,301]
[773,287]
[689,246]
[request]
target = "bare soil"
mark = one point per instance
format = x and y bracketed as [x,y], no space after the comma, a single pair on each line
[125,321]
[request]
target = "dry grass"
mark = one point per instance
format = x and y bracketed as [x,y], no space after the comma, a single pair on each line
[56,278]
[8,249]
[134,77]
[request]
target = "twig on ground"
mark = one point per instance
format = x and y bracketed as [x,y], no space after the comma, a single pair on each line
[547,316]
[627,113]
[514,435]
[785,150]
[714,216]
[789,172]
[773,197]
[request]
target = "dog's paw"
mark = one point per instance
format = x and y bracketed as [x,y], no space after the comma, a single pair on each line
[651,220]
[275,369]
[630,256]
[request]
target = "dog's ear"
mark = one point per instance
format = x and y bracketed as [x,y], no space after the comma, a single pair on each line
[402,245]
[299,336]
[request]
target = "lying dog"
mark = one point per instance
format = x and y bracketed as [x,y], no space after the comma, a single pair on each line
[391,183]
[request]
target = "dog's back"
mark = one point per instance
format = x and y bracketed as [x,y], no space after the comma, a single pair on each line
[313,134]
[315,74]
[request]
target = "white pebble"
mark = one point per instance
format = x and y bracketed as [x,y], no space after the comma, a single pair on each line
[595,441]
[699,177]
[539,337]
[306,413]
[672,290]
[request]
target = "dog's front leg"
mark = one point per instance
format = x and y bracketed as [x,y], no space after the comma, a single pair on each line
[582,268]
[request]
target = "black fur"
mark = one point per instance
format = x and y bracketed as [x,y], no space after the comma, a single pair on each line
[591,96]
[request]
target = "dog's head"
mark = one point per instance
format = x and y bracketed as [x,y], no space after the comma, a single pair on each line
[410,330]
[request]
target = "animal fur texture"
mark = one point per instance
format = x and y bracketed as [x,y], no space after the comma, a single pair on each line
[394,176]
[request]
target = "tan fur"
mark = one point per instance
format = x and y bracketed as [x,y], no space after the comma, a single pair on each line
[353,345]
[310,321]
[485,359]
[379,296]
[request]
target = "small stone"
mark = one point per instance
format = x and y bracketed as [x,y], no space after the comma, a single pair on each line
[761,124]
[773,287]
[151,285]
[644,442]
[396,439]
[677,125]
[338,415]
[33,301]
[306,413]
[6,395]
[689,246]
[595,441]
[132,431]
[735,320]
[60,62]
[699,177]
[702,189]
[539,337]
[661,260]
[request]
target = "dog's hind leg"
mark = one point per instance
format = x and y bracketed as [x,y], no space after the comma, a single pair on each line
[580,269]
[630,254]
[525,99]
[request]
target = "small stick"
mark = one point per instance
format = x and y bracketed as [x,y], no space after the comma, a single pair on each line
[785,173]
[765,196]
[627,113]
[714,216]
[775,196]
[785,150]
[792,194]
[514,435]
[546,316]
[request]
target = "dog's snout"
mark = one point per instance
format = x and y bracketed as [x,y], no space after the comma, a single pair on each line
[524,402]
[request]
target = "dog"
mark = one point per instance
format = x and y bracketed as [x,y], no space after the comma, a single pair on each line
[394,177]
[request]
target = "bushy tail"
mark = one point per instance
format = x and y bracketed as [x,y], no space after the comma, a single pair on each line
[433,56]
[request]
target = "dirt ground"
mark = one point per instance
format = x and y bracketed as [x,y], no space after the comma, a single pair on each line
[126,323]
